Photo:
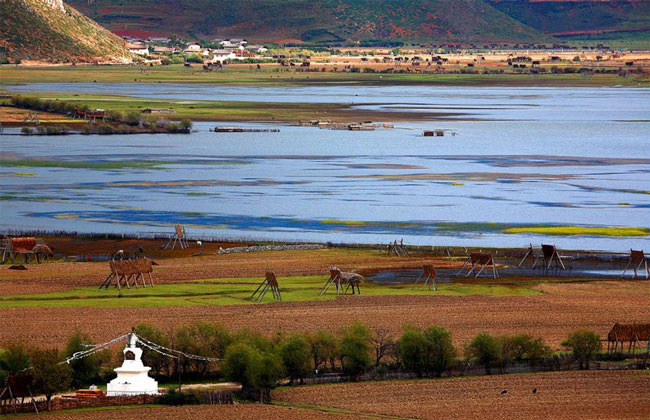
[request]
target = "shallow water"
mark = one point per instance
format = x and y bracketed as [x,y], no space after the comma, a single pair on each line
[527,156]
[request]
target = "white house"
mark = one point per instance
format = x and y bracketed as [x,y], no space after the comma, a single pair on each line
[192,48]
[222,55]
[139,48]
[257,48]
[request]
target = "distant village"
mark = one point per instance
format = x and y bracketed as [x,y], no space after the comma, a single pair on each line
[157,49]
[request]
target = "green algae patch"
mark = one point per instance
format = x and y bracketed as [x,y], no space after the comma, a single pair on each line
[580,230]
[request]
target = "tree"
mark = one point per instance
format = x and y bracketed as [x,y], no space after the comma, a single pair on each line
[186,125]
[413,351]
[585,345]
[85,371]
[16,357]
[203,339]
[236,362]
[485,348]
[324,347]
[255,370]
[355,350]
[296,357]
[429,351]
[49,375]
[155,360]
[383,344]
[264,371]
[442,351]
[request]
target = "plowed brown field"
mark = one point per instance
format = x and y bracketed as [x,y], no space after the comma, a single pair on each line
[560,395]
[220,412]
[553,315]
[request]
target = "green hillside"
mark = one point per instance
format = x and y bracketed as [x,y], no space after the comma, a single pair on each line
[313,21]
[48,30]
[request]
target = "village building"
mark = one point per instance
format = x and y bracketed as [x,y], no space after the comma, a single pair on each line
[139,48]
[164,50]
[260,49]
[222,55]
[192,48]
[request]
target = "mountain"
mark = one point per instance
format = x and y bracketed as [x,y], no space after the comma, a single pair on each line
[564,18]
[51,31]
[327,21]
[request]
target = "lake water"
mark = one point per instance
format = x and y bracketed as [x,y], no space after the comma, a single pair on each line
[520,157]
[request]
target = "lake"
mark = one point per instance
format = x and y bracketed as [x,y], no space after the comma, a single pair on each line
[520,157]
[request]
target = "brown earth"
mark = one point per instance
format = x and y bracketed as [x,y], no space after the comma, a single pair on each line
[221,412]
[58,276]
[560,395]
[562,309]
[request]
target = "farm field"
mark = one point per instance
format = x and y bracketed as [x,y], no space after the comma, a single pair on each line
[582,395]
[246,411]
[560,395]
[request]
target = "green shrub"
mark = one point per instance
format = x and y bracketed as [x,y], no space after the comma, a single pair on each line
[105,129]
[175,397]
[27,130]
[585,345]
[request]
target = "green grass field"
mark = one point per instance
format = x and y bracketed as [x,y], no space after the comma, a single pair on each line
[236,291]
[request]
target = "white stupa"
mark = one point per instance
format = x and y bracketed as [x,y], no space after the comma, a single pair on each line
[132,376]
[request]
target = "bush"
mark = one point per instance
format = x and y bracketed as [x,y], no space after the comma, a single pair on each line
[355,350]
[112,115]
[27,130]
[485,349]
[296,357]
[105,129]
[132,118]
[585,345]
[175,397]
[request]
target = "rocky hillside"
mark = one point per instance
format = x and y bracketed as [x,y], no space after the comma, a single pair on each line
[51,31]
